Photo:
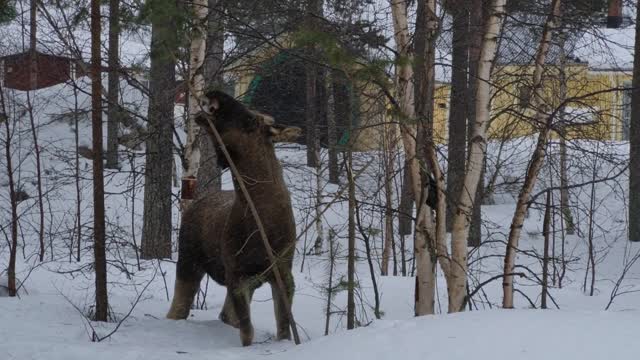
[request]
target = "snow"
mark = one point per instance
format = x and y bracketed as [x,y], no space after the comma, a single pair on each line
[47,321]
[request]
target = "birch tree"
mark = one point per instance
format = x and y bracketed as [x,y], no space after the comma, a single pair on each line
[537,158]
[199,10]
[208,169]
[477,149]
[424,253]
[13,244]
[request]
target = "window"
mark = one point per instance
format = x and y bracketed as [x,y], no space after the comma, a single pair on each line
[626,110]
[580,116]
[524,95]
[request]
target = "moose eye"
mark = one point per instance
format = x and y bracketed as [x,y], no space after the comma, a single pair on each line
[204,104]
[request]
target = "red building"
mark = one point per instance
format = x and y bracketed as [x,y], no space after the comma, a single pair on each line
[51,70]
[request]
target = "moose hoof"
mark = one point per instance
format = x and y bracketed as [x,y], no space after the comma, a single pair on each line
[284,335]
[246,336]
[174,314]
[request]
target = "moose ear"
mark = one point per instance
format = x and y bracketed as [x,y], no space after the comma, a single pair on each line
[281,133]
[263,119]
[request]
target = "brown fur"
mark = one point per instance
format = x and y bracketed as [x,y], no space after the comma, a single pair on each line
[219,236]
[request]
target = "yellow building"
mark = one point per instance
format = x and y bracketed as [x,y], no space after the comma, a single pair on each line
[593,98]
[584,102]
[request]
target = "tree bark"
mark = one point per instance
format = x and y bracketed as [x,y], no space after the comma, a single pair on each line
[156,230]
[425,277]
[351,256]
[457,139]
[208,169]
[390,145]
[11,269]
[34,81]
[113,106]
[477,16]
[406,202]
[427,27]
[545,258]
[565,210]
[634,164]
[100,260]
[312,74]
[537,158]
[477,148]
[76,120]
[333,110]
[192,155]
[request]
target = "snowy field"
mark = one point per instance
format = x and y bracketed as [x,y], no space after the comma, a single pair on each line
[48,319]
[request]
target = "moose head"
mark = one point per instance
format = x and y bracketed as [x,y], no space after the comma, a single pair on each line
[238,126]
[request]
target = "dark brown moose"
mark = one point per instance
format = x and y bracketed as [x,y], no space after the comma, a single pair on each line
[219,235]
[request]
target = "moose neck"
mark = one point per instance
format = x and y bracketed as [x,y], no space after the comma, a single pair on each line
[260,170]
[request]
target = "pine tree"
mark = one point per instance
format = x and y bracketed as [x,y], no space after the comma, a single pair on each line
[634,165]
[156,230]
[102,303]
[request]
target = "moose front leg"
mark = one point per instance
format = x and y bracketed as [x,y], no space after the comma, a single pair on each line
[243,312]
[228,315]
[281,310]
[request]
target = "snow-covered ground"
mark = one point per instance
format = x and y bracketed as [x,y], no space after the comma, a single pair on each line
[47,321]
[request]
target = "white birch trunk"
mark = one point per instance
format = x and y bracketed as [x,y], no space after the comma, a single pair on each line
[196,86]
[477,147]
[425,276]
[537,158]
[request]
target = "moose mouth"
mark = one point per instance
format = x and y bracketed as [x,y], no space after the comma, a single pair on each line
[202,118]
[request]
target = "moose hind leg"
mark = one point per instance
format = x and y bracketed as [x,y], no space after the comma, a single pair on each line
[283,322]
[185,289]
[242,311]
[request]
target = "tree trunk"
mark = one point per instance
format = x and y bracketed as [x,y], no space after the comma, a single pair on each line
[537,158]
[76,120]
[426,254]
[565,210]
[390,144]
[100,265]
[33,77]
[351,256]
[477,17]
[406,202]
[545,258]
[333,106]
[477,148]
[209,171]
[156,230]
[457,140]
[197,54]
[634,164]
[11,269]
[113,106]
[312,116]
[425,279]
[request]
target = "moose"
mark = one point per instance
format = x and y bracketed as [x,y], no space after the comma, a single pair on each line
[219,236]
